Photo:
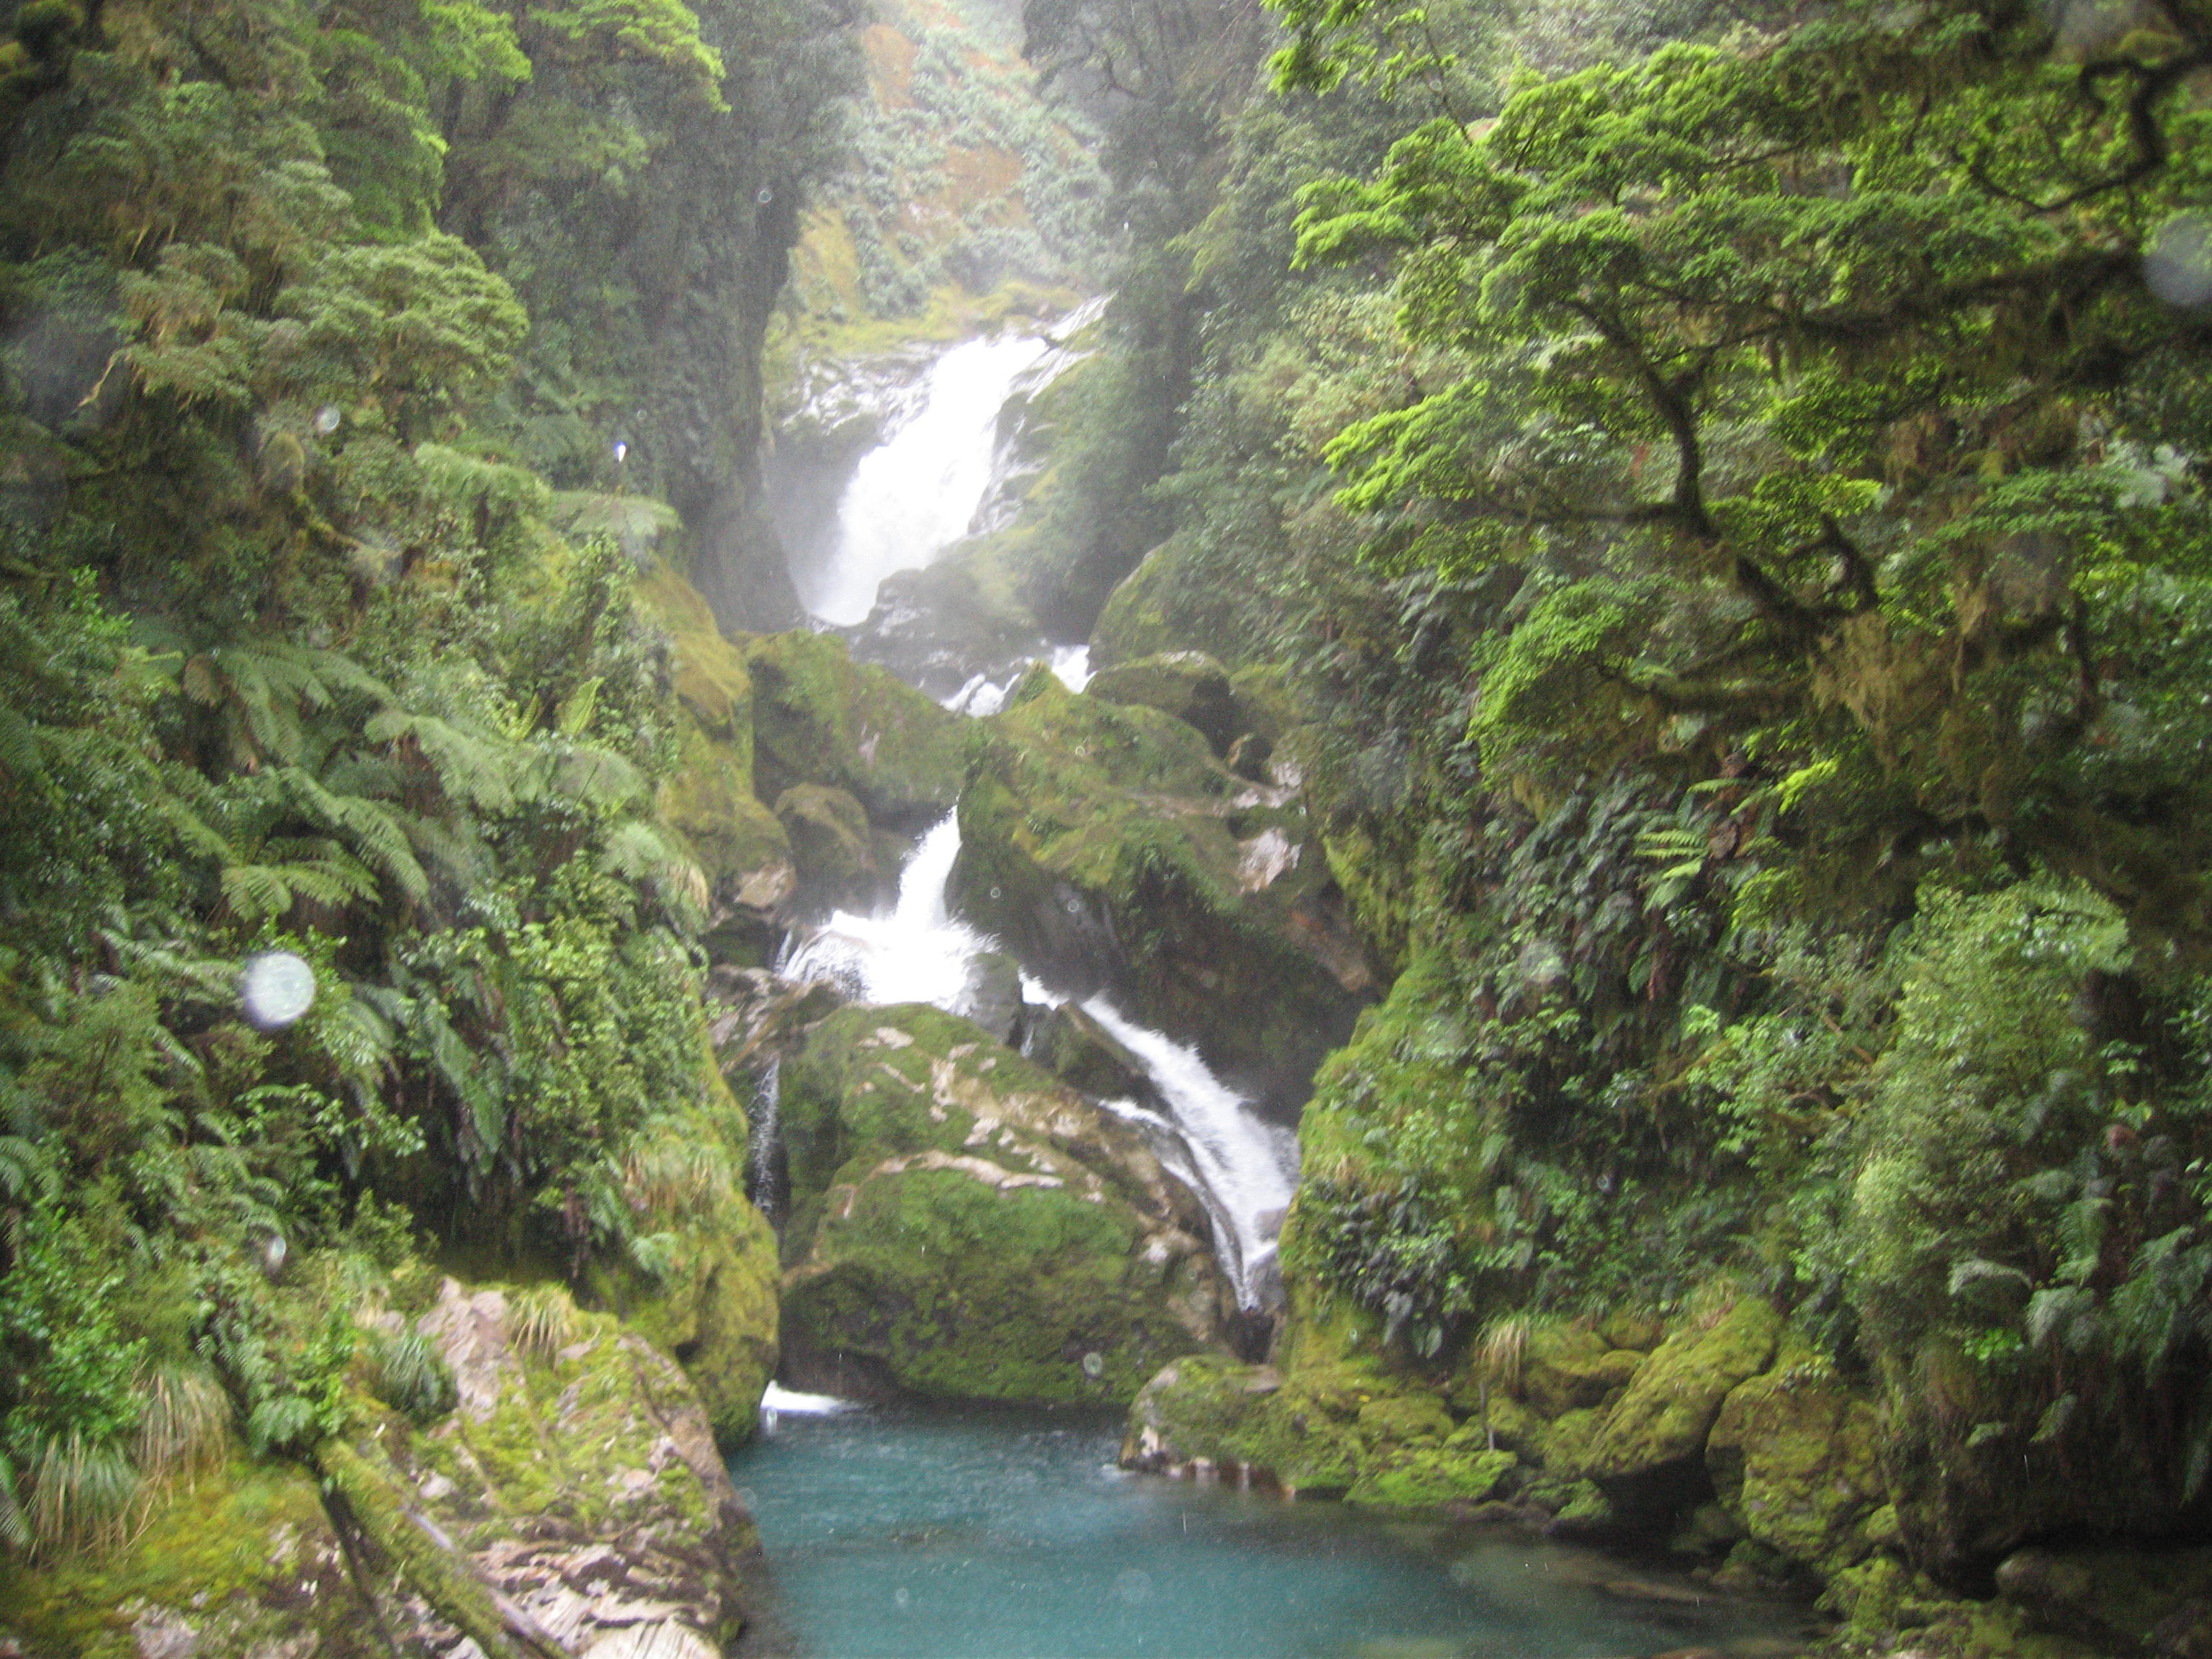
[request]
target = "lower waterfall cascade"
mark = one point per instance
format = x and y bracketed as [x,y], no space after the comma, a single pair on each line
[1243,1169]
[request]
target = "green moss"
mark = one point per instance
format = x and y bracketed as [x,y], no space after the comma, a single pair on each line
[1426,1478]
[820,718]
[376,1500]
[246,1550]
[1188,685]
[967,1291]
[1795,1454]
[1668,1408]
[963,1219]
[1568,1368]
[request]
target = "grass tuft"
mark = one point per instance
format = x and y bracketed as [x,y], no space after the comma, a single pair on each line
[542,1319]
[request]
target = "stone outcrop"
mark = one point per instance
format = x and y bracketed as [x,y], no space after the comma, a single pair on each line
[1110,849]
[964,1226]
[820,718]
[833,846]
[573,1502]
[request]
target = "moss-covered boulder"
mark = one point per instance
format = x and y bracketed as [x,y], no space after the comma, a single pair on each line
[1108,847]
[1188,684]
[965,1226]
[1569,1368]
[572,1501]
[820,718]
[832,846]
[1660,1422]
[1795,1455]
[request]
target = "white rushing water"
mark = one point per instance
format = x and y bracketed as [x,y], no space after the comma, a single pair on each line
[918,953]
[1242,1167]
[917,493]
[983,696]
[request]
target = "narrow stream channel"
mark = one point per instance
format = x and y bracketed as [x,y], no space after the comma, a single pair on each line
[1007,1534]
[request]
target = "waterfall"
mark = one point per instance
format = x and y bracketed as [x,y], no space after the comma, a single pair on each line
[768,1183]
[917,493]
[918,953]
[1243,1169]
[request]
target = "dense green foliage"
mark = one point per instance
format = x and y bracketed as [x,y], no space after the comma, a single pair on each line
[1731,499]
[298,657]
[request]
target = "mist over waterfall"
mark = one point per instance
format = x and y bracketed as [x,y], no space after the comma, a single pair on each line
[918,492]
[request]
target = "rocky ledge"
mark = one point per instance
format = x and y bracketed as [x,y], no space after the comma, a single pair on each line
[570,1505]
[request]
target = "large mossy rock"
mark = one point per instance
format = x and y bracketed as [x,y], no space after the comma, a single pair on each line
[1344,1429]
[833,846]
[1110,850]
[1795,1454]
[573,1501]
[1568,1368]
[820,718]
[1653,1435]
[1188,685]
[965,1226]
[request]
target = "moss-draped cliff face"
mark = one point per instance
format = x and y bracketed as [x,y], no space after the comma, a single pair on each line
[565,1488]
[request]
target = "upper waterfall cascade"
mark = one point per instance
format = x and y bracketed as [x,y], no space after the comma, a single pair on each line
[919,491]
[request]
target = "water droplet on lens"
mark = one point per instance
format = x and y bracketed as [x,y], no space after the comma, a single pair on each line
[276,988]
[2178,265]
[1094,1365]
[327,419]
[765,197]
[900,1596]
[1134,1585]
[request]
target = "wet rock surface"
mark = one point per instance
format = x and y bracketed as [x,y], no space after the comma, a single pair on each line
[965,1226]
[573,1502]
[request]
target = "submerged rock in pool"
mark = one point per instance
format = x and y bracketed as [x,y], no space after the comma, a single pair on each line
[965,1226]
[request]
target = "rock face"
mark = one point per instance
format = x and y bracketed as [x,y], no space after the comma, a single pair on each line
[573,1502]
[1108,848]
[964,1226]
[1734,1437]
[741,849]
[832,847]
[820,718]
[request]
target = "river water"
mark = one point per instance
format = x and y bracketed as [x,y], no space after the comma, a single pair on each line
[1002,1534]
